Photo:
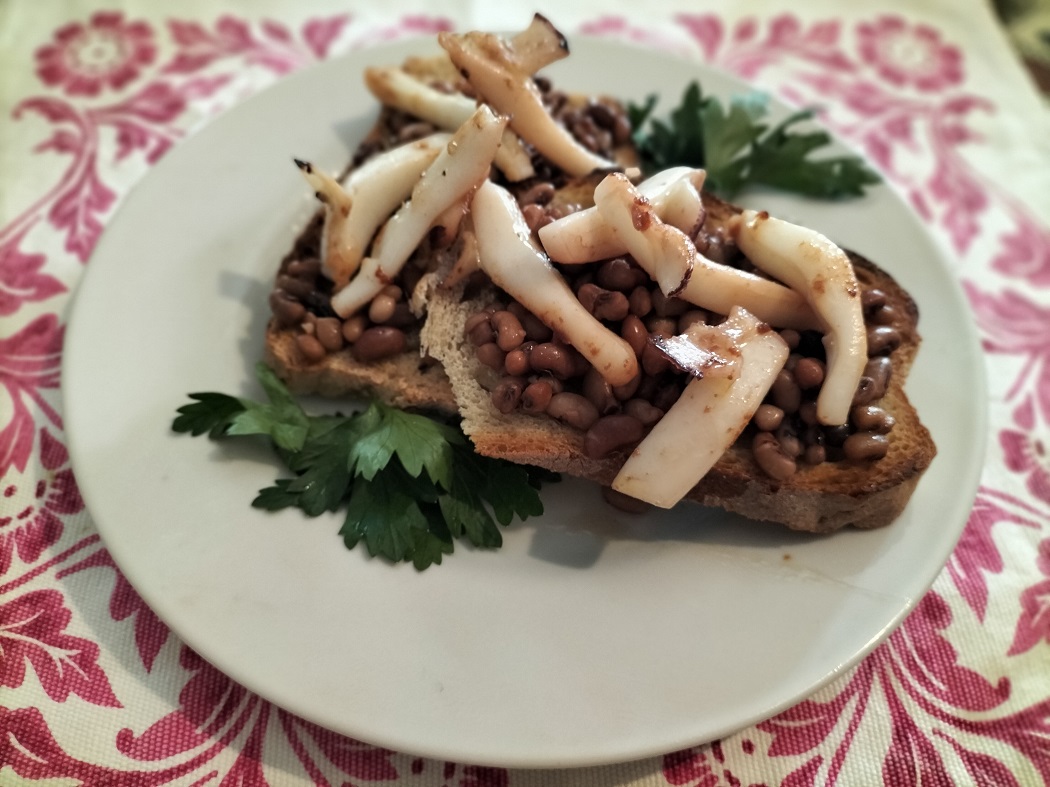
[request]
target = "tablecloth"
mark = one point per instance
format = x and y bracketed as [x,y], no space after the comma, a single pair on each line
[95,690]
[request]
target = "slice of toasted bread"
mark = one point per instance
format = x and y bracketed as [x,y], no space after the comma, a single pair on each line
[817,498]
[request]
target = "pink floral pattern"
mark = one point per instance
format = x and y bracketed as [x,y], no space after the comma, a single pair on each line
[115,93]
[29,366]
[909,55]
[107,52]
[32,634]
[30,529]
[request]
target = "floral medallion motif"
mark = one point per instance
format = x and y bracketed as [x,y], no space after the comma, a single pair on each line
[105,53]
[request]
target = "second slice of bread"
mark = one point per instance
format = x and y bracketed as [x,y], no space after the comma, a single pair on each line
[819,498]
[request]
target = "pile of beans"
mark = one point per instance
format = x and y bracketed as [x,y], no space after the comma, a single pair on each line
[301,301]
[599,124]
[538,373]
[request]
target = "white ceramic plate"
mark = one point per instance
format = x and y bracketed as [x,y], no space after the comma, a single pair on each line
[592,636]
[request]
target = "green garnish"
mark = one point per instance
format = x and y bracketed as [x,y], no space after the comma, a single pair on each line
[411,485]
[738,150]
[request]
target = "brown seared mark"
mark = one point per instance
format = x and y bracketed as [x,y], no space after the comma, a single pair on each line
[641,214]
[819,285]
[764,327]
[683,283]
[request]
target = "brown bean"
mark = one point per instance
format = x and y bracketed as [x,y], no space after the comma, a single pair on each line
[809,373]
[622,130]
[785,391]
[311,349]
[886,315]
[874,380]
[589,294]
[353,327]
[770,456]
[866,445]
[602,114]
[286,310]
[665,326]
[603,304]
[491,355]
[815,454]
[640,301]
[378,342]
[381,308]
[535,216]
[538,194]
[883,339]
[517,363]
[507,394]
[713,246]
[768,417]
[618,274]
[634,332]
[628,389]
[573,409]
[306,268]
[509,333]
[668,307]
[791,337]
[478,329]
[299,288]
[807,412]
[552,357]
[329,331]
[534,328]
[597,389]
[654,362]
[536,397]
[644,411]
[610,433]
[869,418]
[631,505]
[788,438]
[872,299]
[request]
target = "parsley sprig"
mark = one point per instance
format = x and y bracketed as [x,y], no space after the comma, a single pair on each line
[411,485]
[737,149]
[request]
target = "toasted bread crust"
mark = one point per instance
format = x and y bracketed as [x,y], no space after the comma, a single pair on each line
[407,380]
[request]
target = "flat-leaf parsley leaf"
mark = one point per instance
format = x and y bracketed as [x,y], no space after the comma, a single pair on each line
[737,148]
[411,485]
